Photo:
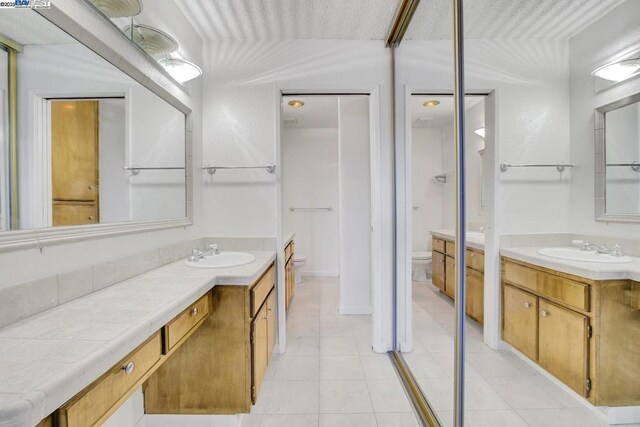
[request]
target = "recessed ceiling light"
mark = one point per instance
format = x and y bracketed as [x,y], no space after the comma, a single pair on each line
[619,71]
[479,132]
[296,103]
[181,70]
[431,103]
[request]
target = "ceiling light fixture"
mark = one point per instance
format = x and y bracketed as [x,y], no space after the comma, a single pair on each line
[118,8]
[431,103]
[153,41]
[296,103]
[619,71]
[479,132]
[181,70]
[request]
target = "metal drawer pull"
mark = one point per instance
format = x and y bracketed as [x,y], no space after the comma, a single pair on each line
[544,313]
[128,368]
[194,311]
[527,305]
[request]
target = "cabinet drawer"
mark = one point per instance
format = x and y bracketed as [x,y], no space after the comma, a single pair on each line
[438,273]
[261,289]
[103,397]
[288,251]
[438,245]
[521,276]
[179,327]
[450,276]
[450,248]
[475,260]
[567,291]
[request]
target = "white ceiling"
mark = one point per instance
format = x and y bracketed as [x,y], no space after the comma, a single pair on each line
[370,19]
[317,112]
[440,115]
[27,27]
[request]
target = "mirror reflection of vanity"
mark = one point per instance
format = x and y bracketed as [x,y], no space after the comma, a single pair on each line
[618,166]
[81,142]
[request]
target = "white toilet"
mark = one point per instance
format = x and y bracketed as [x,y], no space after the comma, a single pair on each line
[299,261]
[421,266]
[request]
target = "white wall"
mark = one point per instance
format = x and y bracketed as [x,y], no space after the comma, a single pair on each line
[4,133]
[355,205]
[426,156]
[114,181]
[310,179]
[608,39]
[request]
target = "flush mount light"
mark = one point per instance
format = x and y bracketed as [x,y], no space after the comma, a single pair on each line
[431,103]
[153,41]
[118,8]
[181,70]
[296,103]
[619,71]
[479,132]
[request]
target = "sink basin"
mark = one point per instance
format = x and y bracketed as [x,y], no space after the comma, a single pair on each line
[475,235]
[223,260]
[571,254]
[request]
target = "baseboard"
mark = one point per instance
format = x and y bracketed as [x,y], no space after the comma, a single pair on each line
[356,310]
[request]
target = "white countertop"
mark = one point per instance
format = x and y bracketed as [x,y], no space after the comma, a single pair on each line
[475,239]
[594,271]
[47,359]
[290,237]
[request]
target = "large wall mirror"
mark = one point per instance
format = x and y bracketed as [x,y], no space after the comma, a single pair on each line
[618,160]
[81,142]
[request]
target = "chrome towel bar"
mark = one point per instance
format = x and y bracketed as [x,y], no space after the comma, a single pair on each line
[270,168]
[329,209]
[559,166]
[135,170]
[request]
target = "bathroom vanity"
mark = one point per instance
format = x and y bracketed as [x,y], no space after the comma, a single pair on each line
[583,329]
[443,274]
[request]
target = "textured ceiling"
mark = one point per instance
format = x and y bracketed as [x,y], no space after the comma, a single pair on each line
[370,19]
[440,115]
[27,27]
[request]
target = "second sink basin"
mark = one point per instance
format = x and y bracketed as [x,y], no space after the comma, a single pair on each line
[571,254]
[223,260]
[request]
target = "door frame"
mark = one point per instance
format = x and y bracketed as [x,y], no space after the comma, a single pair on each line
[404,322]
[42,210]
[379,341]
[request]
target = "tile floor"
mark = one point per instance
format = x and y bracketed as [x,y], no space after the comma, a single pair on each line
[329,376]
[502,390]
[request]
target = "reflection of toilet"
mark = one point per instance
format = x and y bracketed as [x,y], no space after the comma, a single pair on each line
[421,266]
[299,261]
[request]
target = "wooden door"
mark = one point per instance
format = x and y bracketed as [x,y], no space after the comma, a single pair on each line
[259,354]
[74,162]
[475,295]
[450,276]
[438,269]
[271,323]
[564,345]
[520,321]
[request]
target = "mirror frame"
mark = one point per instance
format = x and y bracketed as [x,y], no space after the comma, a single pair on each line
[107,41]
[600,169]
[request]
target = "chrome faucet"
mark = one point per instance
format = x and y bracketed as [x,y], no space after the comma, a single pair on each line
[603,249]
[198,254]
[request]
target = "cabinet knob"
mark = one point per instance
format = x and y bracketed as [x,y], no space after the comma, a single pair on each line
[472,254]
[545,313]
[128,368]
[91,187]
[91,217]
[194,311]
[527,305]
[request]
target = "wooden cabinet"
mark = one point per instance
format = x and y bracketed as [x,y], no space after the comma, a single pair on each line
[180,327]
[520,321]
[475,295]
[438,270]
[586,330]
[450,276]
[289,274]
[220,369]
[563,345]
[443,275]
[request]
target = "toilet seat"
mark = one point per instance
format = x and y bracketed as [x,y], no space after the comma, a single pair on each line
[299,257]
[419,256]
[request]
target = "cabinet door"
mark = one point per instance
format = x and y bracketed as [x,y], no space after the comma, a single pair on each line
[450,276]
[259,354]
[475,295]
[438,270]
[271,323]
[74,213]
[563,345]
[520,321]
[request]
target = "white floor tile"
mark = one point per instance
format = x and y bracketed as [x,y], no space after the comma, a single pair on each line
[565,417]
[344,397]
[377,367]
[341,368]
[404,419]
[348,420]
[298,368]
[293,397]
[388,396]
